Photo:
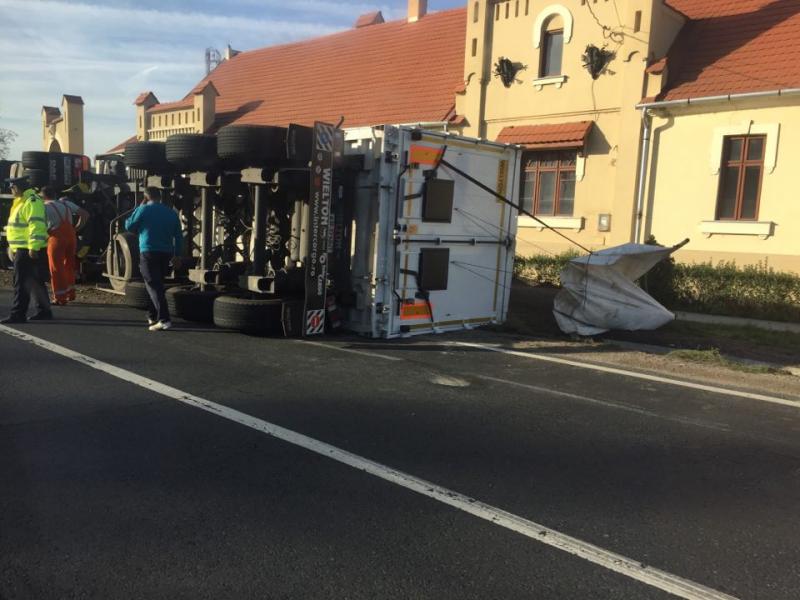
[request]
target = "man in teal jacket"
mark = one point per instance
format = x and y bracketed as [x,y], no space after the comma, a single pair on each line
[160,243]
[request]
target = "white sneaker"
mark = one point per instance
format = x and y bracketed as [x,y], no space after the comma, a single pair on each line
[151,321]
[160,326]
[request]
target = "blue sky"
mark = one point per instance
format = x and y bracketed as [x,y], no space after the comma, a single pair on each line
[107,51]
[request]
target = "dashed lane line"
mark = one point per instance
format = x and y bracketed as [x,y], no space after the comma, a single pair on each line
[628,567]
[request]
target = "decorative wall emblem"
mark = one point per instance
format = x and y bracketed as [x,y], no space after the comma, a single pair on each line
[507,70]
[596,60]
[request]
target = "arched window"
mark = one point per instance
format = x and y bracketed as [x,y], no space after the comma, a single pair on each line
[552,47]
[551,32]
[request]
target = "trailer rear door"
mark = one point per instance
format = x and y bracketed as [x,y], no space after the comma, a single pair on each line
[447,246]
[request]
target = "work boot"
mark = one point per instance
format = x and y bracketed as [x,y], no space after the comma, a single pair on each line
[42,316]
[11,319]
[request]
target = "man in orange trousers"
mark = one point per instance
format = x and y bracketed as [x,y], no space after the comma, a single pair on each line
[62,243]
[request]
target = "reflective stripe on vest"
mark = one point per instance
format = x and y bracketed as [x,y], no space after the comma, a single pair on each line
[26,227]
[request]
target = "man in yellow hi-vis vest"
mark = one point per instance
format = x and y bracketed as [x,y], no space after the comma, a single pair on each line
[26,233]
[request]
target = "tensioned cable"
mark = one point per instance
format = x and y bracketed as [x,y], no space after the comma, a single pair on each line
[502,198]
[490,224]
[485,268]
[489,279]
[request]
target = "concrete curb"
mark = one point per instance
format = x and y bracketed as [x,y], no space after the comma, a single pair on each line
[737,321]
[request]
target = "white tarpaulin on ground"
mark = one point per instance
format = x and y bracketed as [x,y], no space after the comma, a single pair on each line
[599,291]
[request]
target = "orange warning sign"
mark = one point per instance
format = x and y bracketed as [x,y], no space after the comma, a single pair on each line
[424,155]
[417,310]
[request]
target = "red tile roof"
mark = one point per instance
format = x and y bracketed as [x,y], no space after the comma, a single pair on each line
[549,136]
[51,114]
[706,9]
[171,106]
[142,98]
[373,18]
[734,46]
[657,67]
[200,88]
[121,146]
[395,72]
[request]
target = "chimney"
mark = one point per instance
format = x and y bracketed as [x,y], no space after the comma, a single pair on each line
[230,52]
[417,10]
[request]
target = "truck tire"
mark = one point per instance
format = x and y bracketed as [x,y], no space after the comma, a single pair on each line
[251,145]
[38,177]
[122,259]
[136,295]
[57,170]
[192,304]
[150,156]
[36,160]
[192,151]
[259,316]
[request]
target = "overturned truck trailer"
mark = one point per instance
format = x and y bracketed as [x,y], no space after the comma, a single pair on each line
[383,231]
[432,251]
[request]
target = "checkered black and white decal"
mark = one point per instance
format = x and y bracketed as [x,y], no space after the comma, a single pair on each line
[325,136]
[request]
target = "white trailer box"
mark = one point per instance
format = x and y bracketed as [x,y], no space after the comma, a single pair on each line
[432,251]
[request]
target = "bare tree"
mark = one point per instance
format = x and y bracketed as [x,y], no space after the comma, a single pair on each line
[6,137]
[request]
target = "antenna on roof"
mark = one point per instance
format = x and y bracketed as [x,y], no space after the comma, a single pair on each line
[213,59]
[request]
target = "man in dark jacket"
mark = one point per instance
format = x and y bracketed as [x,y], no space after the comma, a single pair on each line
[160,243]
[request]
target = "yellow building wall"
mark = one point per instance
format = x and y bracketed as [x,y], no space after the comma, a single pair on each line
[684,183]
[508,29]
[64,133]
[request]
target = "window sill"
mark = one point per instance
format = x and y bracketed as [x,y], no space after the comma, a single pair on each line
[557,81]
[575,223]
[762,229]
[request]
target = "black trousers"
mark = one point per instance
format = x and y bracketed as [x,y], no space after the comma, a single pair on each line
[30,277]
[155,267]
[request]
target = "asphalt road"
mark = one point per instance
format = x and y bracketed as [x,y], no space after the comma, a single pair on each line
[109,489]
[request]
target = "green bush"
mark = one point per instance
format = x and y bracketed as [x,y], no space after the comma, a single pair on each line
[543,269]
[754,291]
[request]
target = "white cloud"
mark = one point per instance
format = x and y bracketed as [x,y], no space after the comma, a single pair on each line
[107,51]
[109,54]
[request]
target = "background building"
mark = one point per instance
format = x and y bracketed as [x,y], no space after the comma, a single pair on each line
[62,129]
[726,134]
[676,118]
[375,73]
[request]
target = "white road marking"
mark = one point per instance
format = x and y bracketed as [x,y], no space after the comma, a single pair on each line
[350,350]
[605,403]
[634,374]
[678,586]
